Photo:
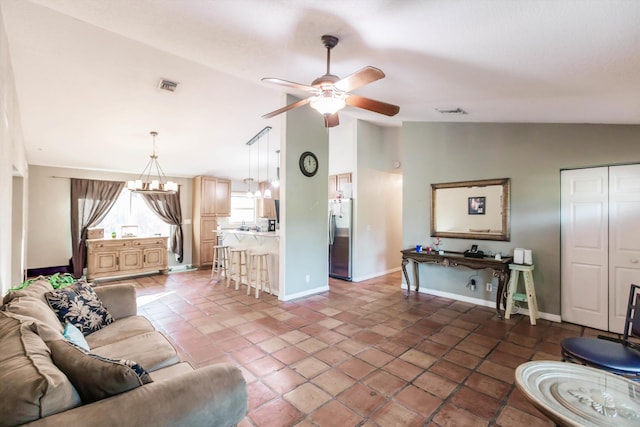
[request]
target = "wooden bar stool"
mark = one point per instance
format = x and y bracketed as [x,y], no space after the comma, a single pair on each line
[259,275]
[239,267]
[530,291]
[220,265]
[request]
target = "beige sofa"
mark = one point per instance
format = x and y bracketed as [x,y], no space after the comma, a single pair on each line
[35,391]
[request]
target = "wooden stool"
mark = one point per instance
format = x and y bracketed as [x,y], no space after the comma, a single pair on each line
[220,265]
[259,275]
[238,268]
[530,291]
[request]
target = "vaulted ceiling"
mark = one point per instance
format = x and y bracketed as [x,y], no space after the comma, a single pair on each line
[87,71]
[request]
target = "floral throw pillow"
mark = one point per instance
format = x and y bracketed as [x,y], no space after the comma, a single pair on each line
[79,305]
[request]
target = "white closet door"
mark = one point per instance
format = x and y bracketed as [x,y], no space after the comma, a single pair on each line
[584,247]
[624,240]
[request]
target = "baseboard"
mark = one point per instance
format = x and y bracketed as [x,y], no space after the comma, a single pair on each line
[48,271]
[306,293]
[374,275]
[477,301]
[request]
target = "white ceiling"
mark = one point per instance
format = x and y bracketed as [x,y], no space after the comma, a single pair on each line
[86,71]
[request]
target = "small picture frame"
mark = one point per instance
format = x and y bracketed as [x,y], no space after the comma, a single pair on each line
[477,205]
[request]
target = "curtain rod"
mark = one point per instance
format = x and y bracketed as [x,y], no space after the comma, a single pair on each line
[259,135]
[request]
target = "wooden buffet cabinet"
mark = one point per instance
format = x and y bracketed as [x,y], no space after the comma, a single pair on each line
[211,200]
[126,256]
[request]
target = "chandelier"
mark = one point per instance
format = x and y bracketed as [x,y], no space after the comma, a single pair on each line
[148,183]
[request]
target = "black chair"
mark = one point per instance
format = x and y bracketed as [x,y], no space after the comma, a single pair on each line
[619,356]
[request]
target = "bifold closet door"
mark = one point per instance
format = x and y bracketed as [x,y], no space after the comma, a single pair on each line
[584,247]
[600,244]
[624,239]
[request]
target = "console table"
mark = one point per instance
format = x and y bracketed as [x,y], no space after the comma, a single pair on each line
[500,267]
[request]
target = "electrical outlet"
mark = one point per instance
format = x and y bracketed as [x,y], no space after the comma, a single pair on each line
[489,287]
[307,278]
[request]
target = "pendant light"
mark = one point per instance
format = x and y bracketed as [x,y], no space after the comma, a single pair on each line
[147,183]
[267,191]
[249,180]
[276,181]
[258,193]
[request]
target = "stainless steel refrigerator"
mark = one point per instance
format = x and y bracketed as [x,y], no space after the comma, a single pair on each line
[340,214]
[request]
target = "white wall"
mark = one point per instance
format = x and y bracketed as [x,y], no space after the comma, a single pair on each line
[12,163]
[49,242]
[532,155]
[304,250]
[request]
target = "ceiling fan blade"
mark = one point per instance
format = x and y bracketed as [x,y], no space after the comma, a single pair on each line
[287,108]
[360,78]
[372,105]
[292,85]
[331,120]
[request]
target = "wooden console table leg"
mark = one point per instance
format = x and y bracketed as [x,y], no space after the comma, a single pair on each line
[406,276]
[416,274]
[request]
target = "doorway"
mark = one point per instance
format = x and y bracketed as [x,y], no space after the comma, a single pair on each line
[600,244]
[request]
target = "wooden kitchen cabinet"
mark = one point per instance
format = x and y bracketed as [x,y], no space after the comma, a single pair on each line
[211,200]
[128,256]
[338,184]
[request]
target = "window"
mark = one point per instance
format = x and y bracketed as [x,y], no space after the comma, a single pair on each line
[243,208]
[131,209]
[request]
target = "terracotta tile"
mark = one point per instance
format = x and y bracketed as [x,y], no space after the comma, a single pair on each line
[515,350]
[264,366]
[290,355]
[384,383]
[247,354]
[487,385]
[394,414]
[418,400]
[355,368]
[477,403]
[310,367]
[276,413]
[259,394]
[494,370]
[307,398]
[506,359]
[361,399]
[418,358]
[294,337]
[368,337]
[402,369]
[435,384]
[283,380]
[375,357]
[450,416]
[311,345]
[335,414]
[334,381]
[462,358]
[450,370]
[512,417]
[392,348]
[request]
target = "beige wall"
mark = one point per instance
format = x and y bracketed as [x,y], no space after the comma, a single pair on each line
[49,242]
[13,171]
[532,155]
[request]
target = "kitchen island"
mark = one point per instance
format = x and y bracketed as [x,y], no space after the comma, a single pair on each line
[257,241]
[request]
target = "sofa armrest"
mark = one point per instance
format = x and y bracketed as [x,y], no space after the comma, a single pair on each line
[215,395]
[119,299]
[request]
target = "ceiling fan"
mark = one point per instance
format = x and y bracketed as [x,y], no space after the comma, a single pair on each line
[331,94]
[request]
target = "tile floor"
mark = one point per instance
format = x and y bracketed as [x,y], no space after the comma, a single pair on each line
[358,355]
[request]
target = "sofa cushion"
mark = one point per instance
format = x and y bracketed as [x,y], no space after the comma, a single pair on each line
[36,387]
[73,334]
[36,289]
[151,349]
[34,308]
[96,377]
[119,330]
[79,305]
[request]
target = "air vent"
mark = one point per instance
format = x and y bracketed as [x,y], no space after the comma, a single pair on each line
[167,85]
[451,110]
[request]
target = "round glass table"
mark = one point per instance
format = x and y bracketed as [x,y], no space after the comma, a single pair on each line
[576,395]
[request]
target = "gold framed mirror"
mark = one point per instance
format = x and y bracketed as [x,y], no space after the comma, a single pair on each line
[472,209]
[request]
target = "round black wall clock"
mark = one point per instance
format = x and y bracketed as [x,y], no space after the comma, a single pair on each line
[308,163]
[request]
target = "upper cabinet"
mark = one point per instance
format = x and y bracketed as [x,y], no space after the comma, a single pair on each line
[211,196]
[339,184]
[267,207]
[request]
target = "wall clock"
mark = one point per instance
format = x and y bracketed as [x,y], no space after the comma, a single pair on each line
[308,163]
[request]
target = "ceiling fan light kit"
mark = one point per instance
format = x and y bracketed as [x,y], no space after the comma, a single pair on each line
[331,94]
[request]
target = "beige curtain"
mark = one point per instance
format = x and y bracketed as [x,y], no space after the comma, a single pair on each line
[167,207]
[91,200]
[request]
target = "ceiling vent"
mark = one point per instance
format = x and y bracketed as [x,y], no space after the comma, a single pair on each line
[451,110]
[168,85]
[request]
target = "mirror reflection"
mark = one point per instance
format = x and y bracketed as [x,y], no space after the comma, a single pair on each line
[471,209]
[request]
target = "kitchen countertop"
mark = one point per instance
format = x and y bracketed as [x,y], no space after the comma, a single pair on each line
[252,232]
